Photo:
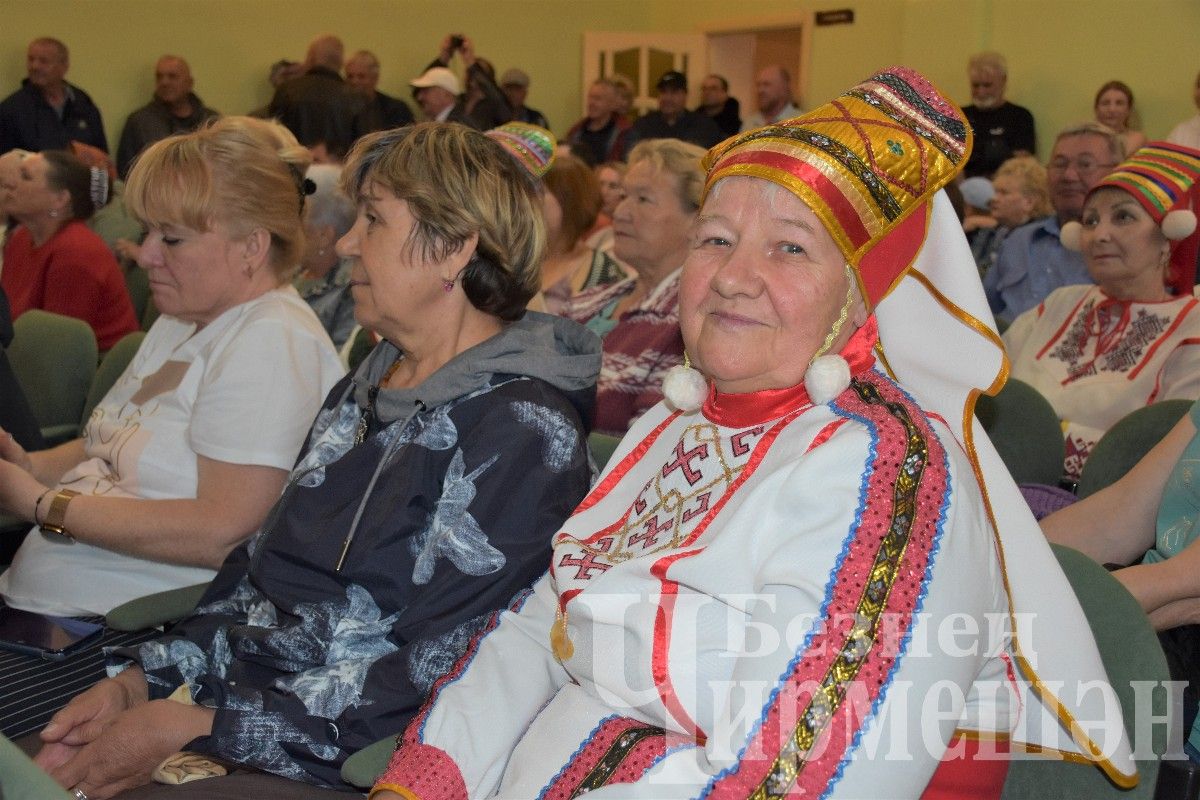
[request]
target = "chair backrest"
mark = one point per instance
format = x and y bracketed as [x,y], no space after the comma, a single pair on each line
[1130,651]
[111,366]
[1026,432]
[54,359]
[602,447]
[137,282]
[21,779]
[1124,444]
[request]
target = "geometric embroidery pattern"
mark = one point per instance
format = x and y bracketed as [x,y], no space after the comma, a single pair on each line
[1098,321]
[697,473]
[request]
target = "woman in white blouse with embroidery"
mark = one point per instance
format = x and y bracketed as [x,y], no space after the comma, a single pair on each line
[1100,352]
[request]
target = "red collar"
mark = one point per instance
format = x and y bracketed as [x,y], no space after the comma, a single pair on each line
[751,408]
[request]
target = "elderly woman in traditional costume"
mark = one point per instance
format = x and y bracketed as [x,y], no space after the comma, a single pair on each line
[1100,352]
[753,599]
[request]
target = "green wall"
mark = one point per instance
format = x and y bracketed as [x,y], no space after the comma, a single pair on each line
[1059,51]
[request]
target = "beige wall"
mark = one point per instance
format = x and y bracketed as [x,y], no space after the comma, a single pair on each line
[1059,51]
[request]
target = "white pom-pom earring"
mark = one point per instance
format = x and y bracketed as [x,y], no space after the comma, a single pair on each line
[828,376]
[684,387]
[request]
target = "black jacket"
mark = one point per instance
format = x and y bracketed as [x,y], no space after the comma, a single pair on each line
[318,107]
[440,515]
[27,121]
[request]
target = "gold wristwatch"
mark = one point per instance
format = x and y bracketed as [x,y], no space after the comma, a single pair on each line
[54,525]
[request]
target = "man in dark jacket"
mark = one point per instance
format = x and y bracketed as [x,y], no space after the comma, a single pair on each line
[673,120]
[717,105]
[319,107]
[47,113]
[173,109]
[362,72]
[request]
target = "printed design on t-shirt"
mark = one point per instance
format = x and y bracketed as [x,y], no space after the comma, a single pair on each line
[166,379]
[697,473]
[107,439]
[1082,350]
[453,531]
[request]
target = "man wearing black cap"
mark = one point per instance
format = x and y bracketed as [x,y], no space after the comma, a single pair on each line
[673,120]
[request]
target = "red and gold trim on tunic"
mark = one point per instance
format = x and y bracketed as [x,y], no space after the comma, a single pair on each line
[620,750]
[809,728]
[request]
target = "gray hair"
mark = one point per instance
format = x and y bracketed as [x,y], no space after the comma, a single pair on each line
[328,205]
[989,61]
[1116,147]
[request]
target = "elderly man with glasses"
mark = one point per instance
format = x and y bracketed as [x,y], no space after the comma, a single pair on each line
[1032,261]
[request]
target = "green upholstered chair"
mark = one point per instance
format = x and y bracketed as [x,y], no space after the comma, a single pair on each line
[150,314]
[1130,651]
[364,767]
[111,366]
[21,779]
[155,609]
[602,446]
[1026,432]
[54,359]
[137,283]
[1124,444]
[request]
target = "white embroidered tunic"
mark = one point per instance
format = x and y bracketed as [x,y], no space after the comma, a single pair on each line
[1097,359]
[758,596]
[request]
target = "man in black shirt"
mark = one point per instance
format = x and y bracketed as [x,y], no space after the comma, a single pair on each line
[716,103]
[1002,129]
[673,120]
[362,73]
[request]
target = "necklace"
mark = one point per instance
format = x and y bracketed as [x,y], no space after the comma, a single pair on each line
[368,415]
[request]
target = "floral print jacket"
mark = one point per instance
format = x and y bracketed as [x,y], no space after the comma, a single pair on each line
[438,518]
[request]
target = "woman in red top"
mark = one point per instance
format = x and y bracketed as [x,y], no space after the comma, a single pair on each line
[54,261]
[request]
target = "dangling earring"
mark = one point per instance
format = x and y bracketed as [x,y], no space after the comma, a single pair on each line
[684,387]
[828,376]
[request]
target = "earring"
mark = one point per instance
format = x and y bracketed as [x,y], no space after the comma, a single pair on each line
[447,286]
[684,387]
[53,213]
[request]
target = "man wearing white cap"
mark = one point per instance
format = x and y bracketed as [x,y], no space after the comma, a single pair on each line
[437,95]
[515,84]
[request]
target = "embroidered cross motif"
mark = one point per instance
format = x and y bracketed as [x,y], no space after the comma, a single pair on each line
[741,443]
[583,566]
[683,460]
[652,529]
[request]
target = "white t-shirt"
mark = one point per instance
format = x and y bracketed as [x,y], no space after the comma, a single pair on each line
[243,389]
[1186,133]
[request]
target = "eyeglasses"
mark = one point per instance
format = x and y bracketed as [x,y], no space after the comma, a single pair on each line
[1084,166]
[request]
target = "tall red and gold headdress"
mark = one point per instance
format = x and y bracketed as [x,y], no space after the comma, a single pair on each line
[865,163]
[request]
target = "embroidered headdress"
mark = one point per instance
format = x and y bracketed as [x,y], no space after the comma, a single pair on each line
[864,163]
[532,145]
[1161,176]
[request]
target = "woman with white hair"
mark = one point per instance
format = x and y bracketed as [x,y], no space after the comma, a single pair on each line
[324,278]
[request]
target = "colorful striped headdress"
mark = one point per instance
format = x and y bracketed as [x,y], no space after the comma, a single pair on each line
[1160,176]
[531,145]
[867,164]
